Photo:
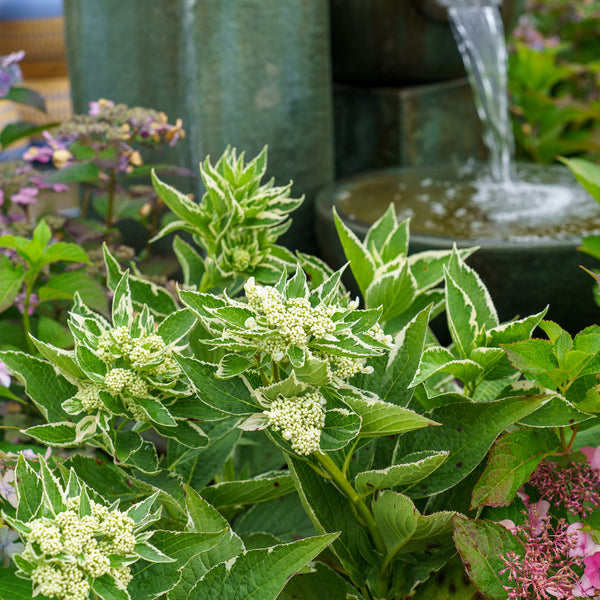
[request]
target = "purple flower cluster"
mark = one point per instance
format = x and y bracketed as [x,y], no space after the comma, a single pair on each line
[10,72]
[108,136]
[20,185]
[527,33]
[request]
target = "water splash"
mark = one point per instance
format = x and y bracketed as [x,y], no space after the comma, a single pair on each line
[479,32]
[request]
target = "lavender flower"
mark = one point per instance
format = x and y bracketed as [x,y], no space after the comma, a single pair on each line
[20,302]
[20,183]
[7,490]
[9,544]
[10,72]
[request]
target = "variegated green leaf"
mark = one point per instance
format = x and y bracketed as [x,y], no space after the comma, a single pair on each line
[411,470]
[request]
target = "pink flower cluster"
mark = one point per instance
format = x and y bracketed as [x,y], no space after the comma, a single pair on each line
[574,485]
[561,561]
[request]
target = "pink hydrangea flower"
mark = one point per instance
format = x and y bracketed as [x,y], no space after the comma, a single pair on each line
[584,544]
[537,513]
[593,456]
[583,588]
[592,569]
[42,154]
[510,525]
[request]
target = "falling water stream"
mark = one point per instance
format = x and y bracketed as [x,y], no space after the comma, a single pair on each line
[479,34]
[502,200]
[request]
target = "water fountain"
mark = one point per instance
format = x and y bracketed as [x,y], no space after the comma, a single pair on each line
[527,219]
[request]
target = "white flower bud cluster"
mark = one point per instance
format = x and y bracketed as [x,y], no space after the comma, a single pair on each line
[140,353]
[345,367]
[90,398]
[118,381]
[69,550]
[136,412]
[240,260]
[293,321]
[63,581]
[300,420]
[122,576]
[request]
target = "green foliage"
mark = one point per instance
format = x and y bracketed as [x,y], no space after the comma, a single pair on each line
[481,545]
[549,119]
[236,223]
[387,277]
[31,275]
[260,405]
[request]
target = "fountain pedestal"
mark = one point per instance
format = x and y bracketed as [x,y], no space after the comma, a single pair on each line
[428,124]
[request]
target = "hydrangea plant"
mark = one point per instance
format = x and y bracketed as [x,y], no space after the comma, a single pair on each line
[76,546]
[397,450]
[121,378]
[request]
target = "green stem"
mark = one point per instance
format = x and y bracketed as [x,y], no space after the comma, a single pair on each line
[264,378]
[140,426]
[206,283]
[26,319]
[111,198]
[154,220]
[563,439]
[362,511]
[275,369]
[349,458]
[361,508]
[123,424]
[85,202]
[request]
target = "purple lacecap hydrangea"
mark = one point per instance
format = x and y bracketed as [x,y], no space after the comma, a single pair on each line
[112,132]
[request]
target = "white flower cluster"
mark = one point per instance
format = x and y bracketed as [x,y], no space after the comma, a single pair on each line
[300,420]
[345,367]
[377,333]
[296,322]
[148,352]
[120,380]
[70,550]
[90,398]
[293,321]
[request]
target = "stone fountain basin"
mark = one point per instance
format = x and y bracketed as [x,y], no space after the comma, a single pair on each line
[527,239]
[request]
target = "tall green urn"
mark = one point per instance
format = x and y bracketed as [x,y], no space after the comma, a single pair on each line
[241,73]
